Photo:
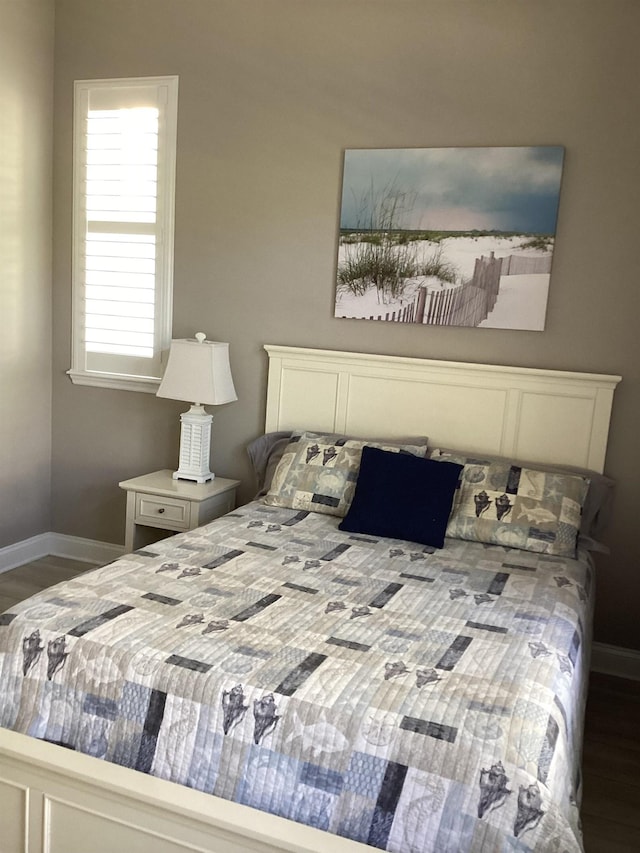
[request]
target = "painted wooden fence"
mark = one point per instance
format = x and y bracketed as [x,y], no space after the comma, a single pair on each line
[471,302]
[404,314]
[523,265]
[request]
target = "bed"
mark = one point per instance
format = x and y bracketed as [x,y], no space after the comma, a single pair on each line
[286,679]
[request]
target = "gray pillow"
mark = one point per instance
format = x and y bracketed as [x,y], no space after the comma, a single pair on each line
[264,453]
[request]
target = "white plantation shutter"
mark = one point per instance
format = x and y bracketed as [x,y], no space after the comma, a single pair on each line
[124,175]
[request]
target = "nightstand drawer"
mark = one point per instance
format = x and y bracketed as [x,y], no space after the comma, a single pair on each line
[171,513]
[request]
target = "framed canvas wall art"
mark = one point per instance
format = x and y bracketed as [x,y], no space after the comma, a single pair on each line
[448,236]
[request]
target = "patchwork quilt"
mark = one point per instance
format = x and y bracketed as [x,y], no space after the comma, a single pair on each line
[409,698]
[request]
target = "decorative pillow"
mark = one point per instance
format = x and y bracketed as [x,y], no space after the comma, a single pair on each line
[319,473]
[503,503]
[402,497]
[265,452]
[596,511]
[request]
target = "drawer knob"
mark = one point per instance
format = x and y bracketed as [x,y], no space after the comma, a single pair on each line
[161,510]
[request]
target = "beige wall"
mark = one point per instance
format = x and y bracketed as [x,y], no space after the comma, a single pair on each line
[271,92]
[26,102]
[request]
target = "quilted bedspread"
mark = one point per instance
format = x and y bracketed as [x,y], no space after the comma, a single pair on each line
[410,698]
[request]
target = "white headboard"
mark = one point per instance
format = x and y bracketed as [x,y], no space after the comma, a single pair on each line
[522,413]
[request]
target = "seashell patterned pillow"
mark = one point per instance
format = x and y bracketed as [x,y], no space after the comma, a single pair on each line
[319,472]
[502,503]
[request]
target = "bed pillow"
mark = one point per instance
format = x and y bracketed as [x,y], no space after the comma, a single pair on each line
[266,451]
[598,505]
[264,454]
[319,472]
[502,502]
[401,496]
[413,440]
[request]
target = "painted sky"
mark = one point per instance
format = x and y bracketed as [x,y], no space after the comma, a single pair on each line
[454,189]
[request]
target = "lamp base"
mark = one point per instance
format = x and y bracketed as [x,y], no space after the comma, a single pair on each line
[200,478]
[195,444]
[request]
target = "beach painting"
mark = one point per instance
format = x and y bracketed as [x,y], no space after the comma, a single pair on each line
[448,236]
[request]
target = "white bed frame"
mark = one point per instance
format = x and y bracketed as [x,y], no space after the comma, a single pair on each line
[53,800]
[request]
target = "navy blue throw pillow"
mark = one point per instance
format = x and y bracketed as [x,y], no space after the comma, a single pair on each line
[402,496]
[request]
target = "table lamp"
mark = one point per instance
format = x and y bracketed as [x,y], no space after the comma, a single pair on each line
[197,371]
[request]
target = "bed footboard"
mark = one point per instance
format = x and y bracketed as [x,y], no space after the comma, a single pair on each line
[58,801]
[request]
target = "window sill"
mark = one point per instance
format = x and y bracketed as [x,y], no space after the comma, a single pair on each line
[115,381]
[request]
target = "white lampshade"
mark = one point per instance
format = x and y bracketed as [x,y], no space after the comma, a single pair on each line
[198,371]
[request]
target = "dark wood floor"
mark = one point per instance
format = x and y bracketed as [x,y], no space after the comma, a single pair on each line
[611,758]
[611,765]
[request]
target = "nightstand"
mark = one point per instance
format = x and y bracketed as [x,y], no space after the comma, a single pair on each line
[157,500]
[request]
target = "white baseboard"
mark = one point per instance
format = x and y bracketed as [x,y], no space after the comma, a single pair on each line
[23,552]
[58,545]
[614,660]
[87,550]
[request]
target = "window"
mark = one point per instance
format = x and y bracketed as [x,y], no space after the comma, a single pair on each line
[123,208]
